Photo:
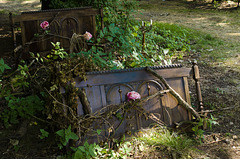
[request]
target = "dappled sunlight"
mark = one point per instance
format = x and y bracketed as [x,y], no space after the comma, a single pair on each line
[222,24]
[30,1]
[3,1]
[233,61]
[19,6]
[199,19]
[233,34]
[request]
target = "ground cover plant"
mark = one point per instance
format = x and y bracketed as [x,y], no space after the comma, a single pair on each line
[21,92]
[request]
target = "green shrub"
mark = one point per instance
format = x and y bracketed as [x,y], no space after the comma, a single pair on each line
[20,108]
[18,102]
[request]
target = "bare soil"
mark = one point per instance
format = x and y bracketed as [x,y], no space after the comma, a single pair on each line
[219,68]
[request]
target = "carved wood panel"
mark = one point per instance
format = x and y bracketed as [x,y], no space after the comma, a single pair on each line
[63,22]
[110,87]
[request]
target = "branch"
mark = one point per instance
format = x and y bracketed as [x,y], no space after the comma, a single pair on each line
[115,107]
[174,93]
[85,103]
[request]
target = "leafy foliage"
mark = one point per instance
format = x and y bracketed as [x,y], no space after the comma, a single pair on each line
[44,134]
[65,136]
[122,150]
[172,37]
[19,105]
[22,107]
[86,151]
[57,52]
[198,128]
[122,37]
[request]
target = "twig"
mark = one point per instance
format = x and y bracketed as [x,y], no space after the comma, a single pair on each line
[70,109]
[119,106]
[73,68]
[156,119]
[44,121]
[210,111]
[116,129]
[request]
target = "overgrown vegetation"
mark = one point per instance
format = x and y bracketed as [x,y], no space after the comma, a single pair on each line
[33,90]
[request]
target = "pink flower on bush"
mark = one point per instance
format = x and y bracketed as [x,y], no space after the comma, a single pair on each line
[87,35]
[133,95]
[44,25]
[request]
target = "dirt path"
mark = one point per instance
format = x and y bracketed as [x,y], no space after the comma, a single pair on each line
[219,66]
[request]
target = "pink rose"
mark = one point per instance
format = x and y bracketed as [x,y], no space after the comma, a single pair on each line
[133,95]
[87,35]
[44,25]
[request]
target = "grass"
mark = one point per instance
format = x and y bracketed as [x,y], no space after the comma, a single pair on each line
[217,34]
[163,142]
[181,38]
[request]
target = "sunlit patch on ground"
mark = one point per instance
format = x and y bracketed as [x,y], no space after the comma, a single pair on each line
[19,6]
[233,34]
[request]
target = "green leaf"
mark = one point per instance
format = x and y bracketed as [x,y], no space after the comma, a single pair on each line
[60,146]
[109,38]
[69,135]
[99,131]
[61,133]
[133,64]
[82,148]
[135,34]
[200,131]
[195,129]
[44,134]
[3,66]
[86,144]
[78,155]
[73,136]
[105,19]
[101,34]
[92,151]
[136,28]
